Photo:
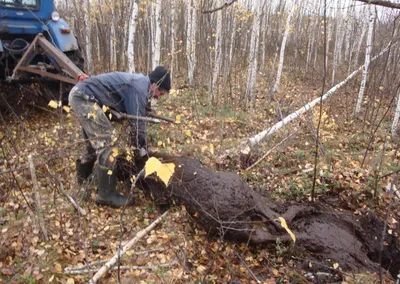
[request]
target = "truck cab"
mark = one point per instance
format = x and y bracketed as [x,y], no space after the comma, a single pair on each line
[21,21]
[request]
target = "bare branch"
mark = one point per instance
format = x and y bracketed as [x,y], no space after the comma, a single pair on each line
[226,4]
[126,247]
[37,199]
[382,3]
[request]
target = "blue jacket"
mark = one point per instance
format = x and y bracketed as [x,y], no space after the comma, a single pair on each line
[124,92]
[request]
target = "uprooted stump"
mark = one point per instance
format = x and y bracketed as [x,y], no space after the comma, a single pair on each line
[222,203]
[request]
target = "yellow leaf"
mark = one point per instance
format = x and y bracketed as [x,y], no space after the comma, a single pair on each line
[67,108]
[111,158]
[70,281]
[165,171]
[212,149]
[105,108]
[95,106]
[110,115]
[178,119]
[114,152]
[53,104]
[159,143]
[58,268]
[128,158]
[132,179]
[335,265]
[285,226]
[188,133]
[109,172]
[151,166]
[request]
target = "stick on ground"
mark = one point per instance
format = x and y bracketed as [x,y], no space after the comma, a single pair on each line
[125,248]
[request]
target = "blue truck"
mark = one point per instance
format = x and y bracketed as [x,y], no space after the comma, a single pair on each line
[36,42]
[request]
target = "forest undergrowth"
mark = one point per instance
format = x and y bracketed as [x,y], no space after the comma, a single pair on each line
[348,177]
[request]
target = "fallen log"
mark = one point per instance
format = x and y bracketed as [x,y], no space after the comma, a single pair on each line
[223,204]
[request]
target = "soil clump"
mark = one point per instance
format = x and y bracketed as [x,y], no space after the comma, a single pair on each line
[223,204]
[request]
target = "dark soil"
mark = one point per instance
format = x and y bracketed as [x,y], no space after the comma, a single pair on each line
[223,204]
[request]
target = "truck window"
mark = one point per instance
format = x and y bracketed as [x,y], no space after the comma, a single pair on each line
[19,3]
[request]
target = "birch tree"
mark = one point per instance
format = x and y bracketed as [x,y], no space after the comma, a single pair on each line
[253,53]
[191,39]
[156,51]
[256,139]
[131,36]
[173,31]
[282,52]
[113,52]
[88,42]
[217,54]
[396,117]
[367,58]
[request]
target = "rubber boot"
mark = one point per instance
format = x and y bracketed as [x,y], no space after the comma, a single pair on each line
[83,171]
[107,194]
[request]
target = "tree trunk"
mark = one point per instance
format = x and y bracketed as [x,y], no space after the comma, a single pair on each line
[88,42]
[217,55]
[191,39]
[367,58]
[396,117]
[174,20]
[253,54]
[282,53]
[255,140]
[156,52]
[131,36]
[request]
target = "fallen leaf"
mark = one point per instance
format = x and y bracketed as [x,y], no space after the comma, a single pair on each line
[285,226]
[57,268]
[53,104]
[335,265]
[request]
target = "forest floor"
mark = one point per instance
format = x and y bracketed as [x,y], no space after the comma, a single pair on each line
[178,250]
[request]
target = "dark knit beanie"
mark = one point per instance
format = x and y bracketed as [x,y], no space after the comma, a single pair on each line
[161,77]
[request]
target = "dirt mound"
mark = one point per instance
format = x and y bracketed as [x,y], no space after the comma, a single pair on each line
[222,203]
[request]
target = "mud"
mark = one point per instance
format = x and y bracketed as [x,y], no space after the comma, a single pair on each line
[223,204]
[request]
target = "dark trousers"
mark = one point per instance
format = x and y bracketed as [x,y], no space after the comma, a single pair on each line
[97,129]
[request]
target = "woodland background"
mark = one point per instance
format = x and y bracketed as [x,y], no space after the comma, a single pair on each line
[237,71]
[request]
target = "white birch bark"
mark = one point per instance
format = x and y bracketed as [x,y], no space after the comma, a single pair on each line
[312,38]
[254,44]
[282,52]
[191,39]
[113,53]
[173,31]
[264,27]
[396,117]
[255,140]
[367,58]
[217,54]
[88,43]
[228,61]
[157,39]
[328,36]
[131,36]
[363,32]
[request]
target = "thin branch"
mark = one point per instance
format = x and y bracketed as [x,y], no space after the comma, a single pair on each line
[226,4]
[152,267]
[269,152]
[383,3]
[37,199]
[72,201]
[125,248]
